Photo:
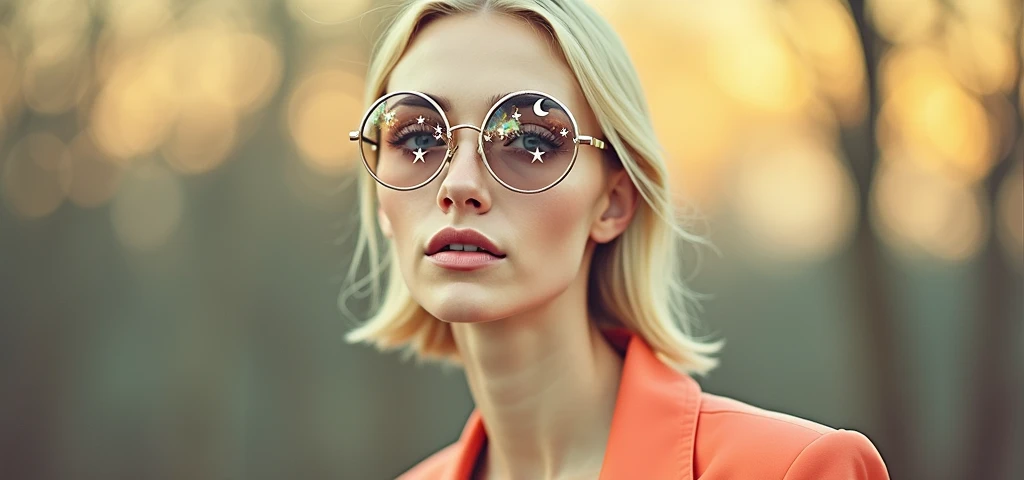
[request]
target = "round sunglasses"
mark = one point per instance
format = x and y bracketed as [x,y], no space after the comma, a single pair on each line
[528,140]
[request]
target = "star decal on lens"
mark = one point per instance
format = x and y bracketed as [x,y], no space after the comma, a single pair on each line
[516,115]
[420,119]
[501,132]
[389,117]
[487,137]
[564,132]
[437,132]
[536,155]
[419,155]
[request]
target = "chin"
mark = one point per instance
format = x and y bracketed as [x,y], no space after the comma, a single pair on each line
[460,301]
[462,310]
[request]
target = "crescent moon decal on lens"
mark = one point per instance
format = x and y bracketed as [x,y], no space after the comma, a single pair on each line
[537,111]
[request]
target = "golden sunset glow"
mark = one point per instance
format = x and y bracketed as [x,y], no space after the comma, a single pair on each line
[905,21]
[795,199]
[321,111]
[204,276]
[94,179]
[921,211]
[751,100]
[37,175]
[826,32]
[324,14]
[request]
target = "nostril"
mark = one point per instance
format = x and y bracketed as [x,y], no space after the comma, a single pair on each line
[449,202]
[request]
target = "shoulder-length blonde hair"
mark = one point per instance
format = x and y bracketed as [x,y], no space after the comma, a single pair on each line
[635,279]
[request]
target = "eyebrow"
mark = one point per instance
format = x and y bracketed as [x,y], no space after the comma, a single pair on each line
[446,104]
[418,101]
[442,101]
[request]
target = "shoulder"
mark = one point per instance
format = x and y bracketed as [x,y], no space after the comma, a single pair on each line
[433,466]
[735,439]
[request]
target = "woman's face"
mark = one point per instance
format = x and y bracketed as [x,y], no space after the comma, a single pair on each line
[546,237]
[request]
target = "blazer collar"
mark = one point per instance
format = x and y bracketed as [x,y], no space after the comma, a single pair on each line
[653,427]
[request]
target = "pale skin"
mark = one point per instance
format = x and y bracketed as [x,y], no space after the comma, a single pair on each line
[540,373]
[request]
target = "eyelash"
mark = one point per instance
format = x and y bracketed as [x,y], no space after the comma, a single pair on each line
[541,132]
[406,132]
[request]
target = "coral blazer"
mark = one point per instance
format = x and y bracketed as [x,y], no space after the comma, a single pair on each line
[665,428]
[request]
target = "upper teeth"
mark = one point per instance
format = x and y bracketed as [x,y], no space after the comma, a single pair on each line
[463,247]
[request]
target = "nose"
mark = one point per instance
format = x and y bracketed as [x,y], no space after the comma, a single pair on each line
[464,187]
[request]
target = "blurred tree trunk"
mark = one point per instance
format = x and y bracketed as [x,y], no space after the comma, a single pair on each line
[888,367]
[996,382]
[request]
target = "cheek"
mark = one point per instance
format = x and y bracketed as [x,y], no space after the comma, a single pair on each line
[553,229]
[562,217]
[399,209]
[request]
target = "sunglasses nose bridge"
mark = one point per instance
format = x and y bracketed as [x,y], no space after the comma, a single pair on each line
[454,144]
[464,125]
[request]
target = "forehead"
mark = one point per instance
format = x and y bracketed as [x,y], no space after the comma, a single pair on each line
[468,59]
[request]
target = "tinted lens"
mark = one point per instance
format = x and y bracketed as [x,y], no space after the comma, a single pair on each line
[528,141]
[402,140]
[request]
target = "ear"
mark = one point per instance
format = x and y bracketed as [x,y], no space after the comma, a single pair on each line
[385,224]
[620,200]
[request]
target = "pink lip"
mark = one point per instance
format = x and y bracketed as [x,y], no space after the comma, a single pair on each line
[468,236]
[463,261]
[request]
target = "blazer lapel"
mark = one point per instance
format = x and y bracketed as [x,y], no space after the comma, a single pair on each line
[655,420]
[468,448]
[653,427]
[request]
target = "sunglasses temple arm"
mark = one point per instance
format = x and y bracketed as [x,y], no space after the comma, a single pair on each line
[587,139]
[354,136]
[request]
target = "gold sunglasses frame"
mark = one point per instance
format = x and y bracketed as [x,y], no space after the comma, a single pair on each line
[356,136]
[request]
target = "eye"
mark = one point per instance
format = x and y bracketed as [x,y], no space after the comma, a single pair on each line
[531,138]
[421,140]
[528,141]
[416,136]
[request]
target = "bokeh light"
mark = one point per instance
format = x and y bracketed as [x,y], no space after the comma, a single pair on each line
[982,59]
[697,121]
[901,21]
[217,64]
[54,85]
[944,121]
[135,18]
[1001,16]
[10,80]
[795,199]
[824,30]
[151,143]
[202,137]
[201,64]
[133,112]
[322,109]
[692,116]
[925,110]
[148,207]
[759,69]
[53,28]
[740,67]
[37,175]
[918,211]
[256,72]
[324,16]
[94,179]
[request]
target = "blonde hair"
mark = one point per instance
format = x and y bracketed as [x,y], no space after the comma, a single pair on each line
[635,279]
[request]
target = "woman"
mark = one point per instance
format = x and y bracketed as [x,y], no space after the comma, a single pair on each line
[514,171]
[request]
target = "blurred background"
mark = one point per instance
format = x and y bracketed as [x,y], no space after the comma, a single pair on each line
[177,209]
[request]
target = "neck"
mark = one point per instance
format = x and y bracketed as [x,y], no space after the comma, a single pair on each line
[545,385]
